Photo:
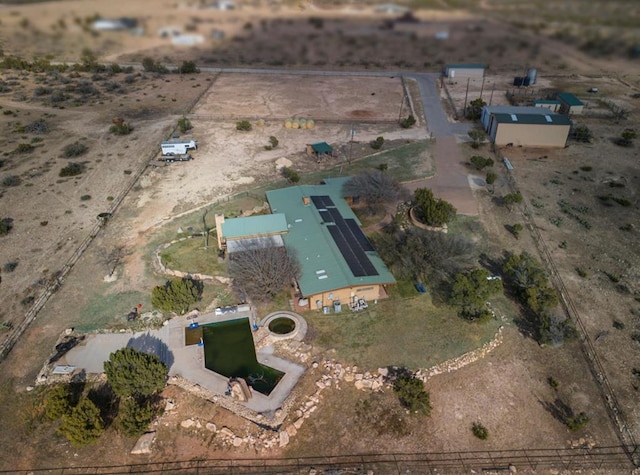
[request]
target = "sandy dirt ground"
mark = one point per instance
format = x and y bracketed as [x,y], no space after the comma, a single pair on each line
[507,390]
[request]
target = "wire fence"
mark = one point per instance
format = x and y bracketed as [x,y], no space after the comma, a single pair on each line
[606,390]
[15,334]
[597,458]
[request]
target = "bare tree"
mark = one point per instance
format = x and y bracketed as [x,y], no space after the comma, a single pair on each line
[112,258]
[374,189]
[260,269]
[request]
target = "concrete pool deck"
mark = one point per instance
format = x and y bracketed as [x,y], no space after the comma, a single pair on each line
[168,343]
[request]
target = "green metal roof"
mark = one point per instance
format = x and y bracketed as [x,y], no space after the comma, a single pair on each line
[466,66]
[538,119]
[312,243]
[570,99]
[261,225]
[321,147]
[545,101]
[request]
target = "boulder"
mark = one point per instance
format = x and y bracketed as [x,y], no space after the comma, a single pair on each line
[291,430]
[384,372]
[359,384]
[227,432]
[211,427]
[143,445]
[237,441]
[297,424]
[187,423]
[284,438]
[169,405]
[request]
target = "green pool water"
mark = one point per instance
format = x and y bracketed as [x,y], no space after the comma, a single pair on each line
[229,351]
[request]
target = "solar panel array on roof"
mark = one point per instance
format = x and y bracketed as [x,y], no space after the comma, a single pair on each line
[351,241]
[322,202]
[353,255]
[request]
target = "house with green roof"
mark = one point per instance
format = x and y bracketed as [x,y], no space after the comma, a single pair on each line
[338,262]
[315,223]
[570,104]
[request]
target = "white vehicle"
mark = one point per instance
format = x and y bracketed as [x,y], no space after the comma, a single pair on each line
[178,147]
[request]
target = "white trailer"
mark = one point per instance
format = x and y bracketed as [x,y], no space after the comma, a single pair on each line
[178,147]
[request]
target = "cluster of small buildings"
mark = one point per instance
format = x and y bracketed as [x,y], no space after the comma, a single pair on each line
[544,124]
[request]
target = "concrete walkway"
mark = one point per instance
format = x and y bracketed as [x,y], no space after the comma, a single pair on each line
[168,343]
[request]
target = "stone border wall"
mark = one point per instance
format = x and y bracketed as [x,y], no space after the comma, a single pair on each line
[160,267]
[416,222]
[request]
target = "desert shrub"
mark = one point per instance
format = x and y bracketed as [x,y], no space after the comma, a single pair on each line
[129,79]
[176,295]
[42,91]
[134,417]
[85,197]
[122,128]
[184,124]
[11,180]
[377,143]
[57,96]
[24,148]
[151,66]
[188,67]
[39,126]
[577,422]
[72,169]
[273,143]
[431,210]
[553,382]
[57,402]
[74,149]
[244,125]
[618,325]
[411,393]
[581,272]
[480,162]
[115,68]
[10,266]
[470,292]
[83,425]
[516,229]
[586,168]
[480,431]
[408,122]
[581,134]
[291,175]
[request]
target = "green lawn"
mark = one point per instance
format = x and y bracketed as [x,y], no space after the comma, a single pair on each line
[407,332]
[106,310]
[190,256]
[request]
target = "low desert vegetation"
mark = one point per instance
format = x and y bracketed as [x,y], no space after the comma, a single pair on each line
[244,125]
[480,431]
[432,211]
[411,393]
[73,169]
[176,295]
[75,149]
[290,175]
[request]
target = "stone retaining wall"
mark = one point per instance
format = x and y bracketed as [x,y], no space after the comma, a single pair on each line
[416,222]
[162,269]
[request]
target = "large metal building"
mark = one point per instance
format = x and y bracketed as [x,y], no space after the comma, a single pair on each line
[529,130]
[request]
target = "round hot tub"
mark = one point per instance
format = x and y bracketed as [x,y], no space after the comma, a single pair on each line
[282,325]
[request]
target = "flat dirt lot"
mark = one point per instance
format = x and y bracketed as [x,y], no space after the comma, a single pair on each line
[508,391]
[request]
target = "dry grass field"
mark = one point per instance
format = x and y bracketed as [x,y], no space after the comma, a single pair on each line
[508,391]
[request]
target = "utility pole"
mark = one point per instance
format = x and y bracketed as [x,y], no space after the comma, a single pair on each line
[466,94]
[401,105]
[352,132]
